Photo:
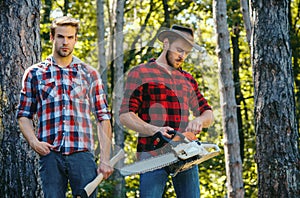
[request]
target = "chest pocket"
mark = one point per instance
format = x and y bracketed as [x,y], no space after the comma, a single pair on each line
[47,89]
[79,89]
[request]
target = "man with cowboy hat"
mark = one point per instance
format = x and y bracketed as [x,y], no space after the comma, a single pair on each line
[159,97]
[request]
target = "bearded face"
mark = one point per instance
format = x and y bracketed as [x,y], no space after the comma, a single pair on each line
[177,52]
[64,40]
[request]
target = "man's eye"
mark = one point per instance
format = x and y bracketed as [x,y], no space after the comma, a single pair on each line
[180,50]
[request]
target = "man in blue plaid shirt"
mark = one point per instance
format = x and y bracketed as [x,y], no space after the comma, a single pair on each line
[63,92]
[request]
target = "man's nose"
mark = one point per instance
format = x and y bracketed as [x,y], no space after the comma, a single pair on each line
[65,41]
[182,54]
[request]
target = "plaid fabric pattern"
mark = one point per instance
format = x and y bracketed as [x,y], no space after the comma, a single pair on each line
[162,99]
[63,99]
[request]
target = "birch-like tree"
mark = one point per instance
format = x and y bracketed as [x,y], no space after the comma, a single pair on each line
[118,90]
[246,18]
[19,48]
[233,162]
[102,65]
[277,151]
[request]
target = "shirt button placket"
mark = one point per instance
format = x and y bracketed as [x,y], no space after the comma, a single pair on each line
[63,100]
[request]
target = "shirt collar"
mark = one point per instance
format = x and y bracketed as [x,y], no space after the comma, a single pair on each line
[75,61]
[153,60]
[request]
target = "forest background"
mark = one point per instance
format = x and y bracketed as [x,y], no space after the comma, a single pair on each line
[142,21]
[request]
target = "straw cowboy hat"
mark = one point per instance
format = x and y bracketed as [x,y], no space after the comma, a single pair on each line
[184,32]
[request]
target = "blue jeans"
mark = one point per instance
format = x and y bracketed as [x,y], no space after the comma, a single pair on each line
[56,170]
[186,183]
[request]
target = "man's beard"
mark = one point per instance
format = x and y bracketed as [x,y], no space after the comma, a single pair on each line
[168,60]
[64,54]
[168,54]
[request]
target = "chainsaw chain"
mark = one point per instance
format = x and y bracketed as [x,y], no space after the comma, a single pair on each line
[160,162]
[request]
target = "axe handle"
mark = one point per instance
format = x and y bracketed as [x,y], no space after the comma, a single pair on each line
[90,187]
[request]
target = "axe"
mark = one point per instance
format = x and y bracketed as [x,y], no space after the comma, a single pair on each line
[90,187]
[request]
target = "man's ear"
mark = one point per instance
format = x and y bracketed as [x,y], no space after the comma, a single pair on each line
[51,37]
[166,43]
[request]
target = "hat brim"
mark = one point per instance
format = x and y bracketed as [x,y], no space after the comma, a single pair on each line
[168,33]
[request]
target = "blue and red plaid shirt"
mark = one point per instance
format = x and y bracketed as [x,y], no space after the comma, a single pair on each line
[162,99]
[64,99]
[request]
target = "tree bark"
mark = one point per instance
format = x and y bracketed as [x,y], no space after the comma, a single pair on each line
[228,104]
[237,84]
[102,65]
[246,18]
[19,48]
[111,7]
[277,151]
[118,90]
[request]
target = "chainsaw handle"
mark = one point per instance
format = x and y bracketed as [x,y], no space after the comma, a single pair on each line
[159,139]
[210,146]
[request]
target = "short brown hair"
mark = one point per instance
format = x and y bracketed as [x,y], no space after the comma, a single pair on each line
[64,21]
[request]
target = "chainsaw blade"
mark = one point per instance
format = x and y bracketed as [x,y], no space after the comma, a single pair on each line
[149,164]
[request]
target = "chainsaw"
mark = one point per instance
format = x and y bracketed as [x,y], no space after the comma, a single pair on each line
[178,154]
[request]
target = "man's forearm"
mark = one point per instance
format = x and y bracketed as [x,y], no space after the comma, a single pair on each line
[207,117]
[105,139]
[42,148]
[133,122]
[27,130]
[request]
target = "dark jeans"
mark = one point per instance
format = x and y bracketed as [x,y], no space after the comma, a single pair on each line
[57,170]
[186,183]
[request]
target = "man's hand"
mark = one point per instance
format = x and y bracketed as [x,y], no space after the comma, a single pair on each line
[203,121]
[27,129]
[105,169]
[164,131]
[195,126]
[42,148]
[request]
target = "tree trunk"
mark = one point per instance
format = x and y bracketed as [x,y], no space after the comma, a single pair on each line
[276,128]
[246,19]
[111,7]
[228,104]
[19,48]
[237,84]
[102,66]
[118,90]
[66,7]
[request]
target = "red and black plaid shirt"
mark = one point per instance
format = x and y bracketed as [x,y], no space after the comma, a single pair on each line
[162,99]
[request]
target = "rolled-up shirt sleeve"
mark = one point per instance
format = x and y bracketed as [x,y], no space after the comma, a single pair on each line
[27,106]
[98,97]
